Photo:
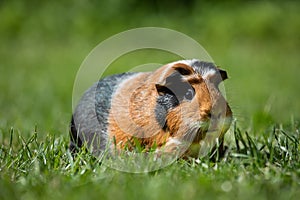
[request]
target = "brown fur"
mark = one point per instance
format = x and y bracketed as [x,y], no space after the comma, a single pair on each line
[132,112]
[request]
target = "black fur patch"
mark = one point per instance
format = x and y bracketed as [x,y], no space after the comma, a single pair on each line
[164,104]
[178,87]
[171,95]
[89,121]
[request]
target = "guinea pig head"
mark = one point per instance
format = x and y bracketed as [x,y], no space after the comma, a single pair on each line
[190,105]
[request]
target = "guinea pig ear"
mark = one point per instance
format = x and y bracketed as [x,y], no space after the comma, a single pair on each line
[162,90]
[183,69]
[223,74]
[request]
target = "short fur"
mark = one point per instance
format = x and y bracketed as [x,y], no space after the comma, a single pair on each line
[178,102]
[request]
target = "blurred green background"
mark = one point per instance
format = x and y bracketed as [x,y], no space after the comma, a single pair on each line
[44,42]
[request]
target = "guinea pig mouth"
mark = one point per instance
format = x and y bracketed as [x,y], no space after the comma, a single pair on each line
[203,127]
[198,131]
[199,135]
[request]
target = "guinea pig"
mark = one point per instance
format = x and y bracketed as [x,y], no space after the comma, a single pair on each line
[180,103]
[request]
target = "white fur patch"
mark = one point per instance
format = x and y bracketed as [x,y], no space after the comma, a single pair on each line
[173,141]
[208,73]
[186,62]
[205,73]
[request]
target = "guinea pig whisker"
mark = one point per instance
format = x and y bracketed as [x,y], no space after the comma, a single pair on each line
[191,134]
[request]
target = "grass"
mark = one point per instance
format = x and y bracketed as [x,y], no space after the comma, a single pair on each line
[264,167]
[41,51]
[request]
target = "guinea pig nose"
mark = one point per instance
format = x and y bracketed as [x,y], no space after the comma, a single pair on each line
[217,116]
[209,115]
[206,114]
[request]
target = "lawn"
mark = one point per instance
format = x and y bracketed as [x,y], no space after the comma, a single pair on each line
[43,45]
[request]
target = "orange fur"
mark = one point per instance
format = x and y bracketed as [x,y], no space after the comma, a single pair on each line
[132,111]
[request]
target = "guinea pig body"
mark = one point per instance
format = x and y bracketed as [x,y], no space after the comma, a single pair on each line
[176,105]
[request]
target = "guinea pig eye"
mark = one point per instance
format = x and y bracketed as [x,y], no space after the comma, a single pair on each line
[189,95]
